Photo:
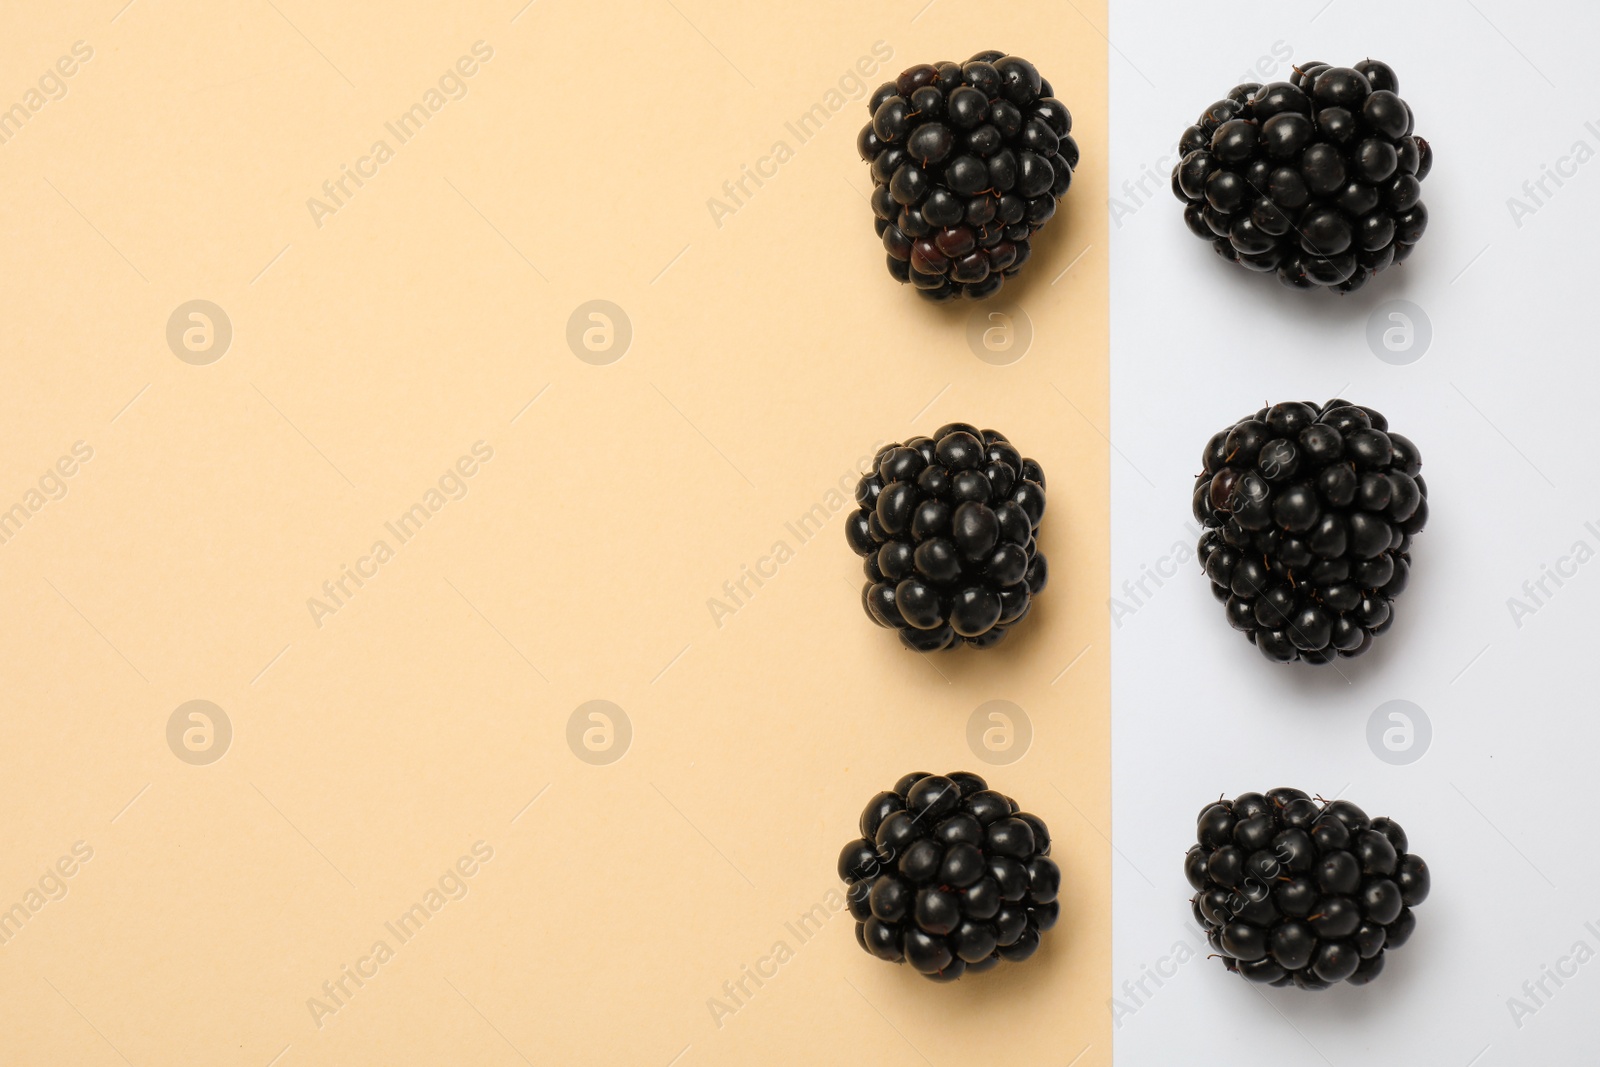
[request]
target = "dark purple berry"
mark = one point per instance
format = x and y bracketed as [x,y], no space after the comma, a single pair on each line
[1307,512]
[947,524]
[952,877]
[979,143]
[1289,890]
[1316,179]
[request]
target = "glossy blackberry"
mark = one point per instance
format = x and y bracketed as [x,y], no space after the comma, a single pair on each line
[1308,515]
[947,527]
[968,161]
[1318,178]
[949,876]
[1296,891]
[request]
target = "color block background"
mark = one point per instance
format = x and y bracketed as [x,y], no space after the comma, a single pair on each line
[403,347]
[1469,721]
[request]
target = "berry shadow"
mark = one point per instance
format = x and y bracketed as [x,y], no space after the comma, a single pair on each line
[1011,984]
[1317,681]
[1024,644]
[1321,680]
[1316,307]
[1018,288]
[1004,986]
[1022,285]
[1342,1002]
[951,313]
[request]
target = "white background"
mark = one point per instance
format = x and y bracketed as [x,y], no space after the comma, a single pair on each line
[1502,407]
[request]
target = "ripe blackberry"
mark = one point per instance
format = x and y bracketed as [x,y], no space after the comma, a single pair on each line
[968,161]
[1295,891]
[1308,515]
[947,525]
[949,876]
[1318,178]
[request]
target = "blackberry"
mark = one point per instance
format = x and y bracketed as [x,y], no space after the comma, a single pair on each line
[1318,178]
[1295,891]
[947,526]
[968,162]
[1308,516]
[949,876]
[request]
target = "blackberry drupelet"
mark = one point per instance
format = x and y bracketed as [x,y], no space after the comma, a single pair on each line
[949,876]
[1318,178]
[1295,891]
[1308,516]
[968,162]
[947,526]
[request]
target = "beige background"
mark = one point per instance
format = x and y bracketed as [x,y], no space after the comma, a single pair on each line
[430,711]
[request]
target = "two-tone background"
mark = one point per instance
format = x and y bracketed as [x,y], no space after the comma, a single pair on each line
[425,434]
[1471,721]
[492,502]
